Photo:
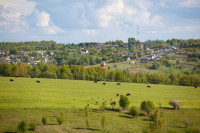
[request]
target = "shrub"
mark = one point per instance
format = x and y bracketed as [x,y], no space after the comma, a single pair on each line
[104,121]
[22,127]
[87,122]
[134,111]
[147,106]
[60,119]
[124,102]
[44,120]
[175,104]
[32,126]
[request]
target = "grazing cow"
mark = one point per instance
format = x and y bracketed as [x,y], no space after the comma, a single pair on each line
[38,81]
[16,76]
[11,80]
[117,94]
[104,83]
[95,81]
[148,86]
[118,84]
[128,94]
[195,86]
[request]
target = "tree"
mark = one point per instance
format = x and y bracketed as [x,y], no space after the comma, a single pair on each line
[88,122]
[44,120]
[104,121]
[147,106]
[175,104]
[22,127]
[113,104]
[134,111]
[124,102]
[60,119]
[158,122]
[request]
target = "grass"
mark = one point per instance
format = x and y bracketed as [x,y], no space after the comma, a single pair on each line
[24,99]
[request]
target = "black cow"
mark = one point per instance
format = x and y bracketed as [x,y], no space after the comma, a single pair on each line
[95,81]
[117,94]
[38,81]
[16,76]
[11,80]
[128,94]
[104,83]
[195,86]
[148,86]
[118,84]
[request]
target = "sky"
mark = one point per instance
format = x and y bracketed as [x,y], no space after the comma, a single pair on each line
[75,21]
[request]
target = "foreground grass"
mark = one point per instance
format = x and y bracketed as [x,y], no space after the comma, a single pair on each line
[24,99]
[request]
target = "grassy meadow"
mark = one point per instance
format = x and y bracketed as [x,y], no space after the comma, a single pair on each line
[24,99]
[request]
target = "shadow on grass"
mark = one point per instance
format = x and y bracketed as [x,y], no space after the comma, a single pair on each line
[168,108]
[115,110]
[53,124]
[126,116]
[91,129]
[10,132]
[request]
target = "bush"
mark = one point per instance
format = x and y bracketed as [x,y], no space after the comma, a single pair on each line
[124,102]
[33,126]
[134,111]
[175,104]
[193,130]
[147,106]
[22,127]
[44,120]
[60,119]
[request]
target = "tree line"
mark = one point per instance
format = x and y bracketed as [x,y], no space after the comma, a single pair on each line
[79,72]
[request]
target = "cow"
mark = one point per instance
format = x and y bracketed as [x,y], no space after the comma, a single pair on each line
[118,84]
[117,94]
[16,76]
[38,81]
[95,81]
[128,94]
[11,80]
[104,83]
[195,86]
[148,86]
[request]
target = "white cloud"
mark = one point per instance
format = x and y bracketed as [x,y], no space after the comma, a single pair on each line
[43,19]
[21,6]
[190,3]
[116,13]
[53,30]
[89,31]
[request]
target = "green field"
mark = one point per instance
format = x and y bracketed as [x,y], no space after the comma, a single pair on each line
[24,99]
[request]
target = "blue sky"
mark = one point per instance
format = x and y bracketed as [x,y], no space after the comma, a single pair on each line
[74,21]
